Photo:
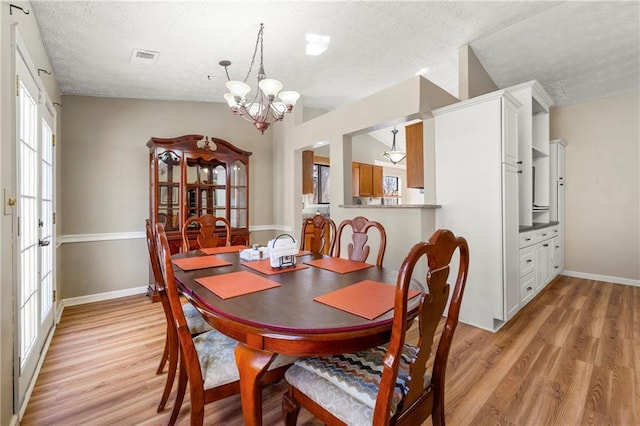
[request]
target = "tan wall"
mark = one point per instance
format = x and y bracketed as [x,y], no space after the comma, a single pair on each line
[602,185]
[27,26]
[473,79]
[106,183]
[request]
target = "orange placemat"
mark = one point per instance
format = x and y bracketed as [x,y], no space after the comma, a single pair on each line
[200,262]
[264,267]
[222,249]
[235,284]
[339,265]
[368,299]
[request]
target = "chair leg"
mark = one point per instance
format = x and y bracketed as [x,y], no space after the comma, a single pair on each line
[165,354]
[290,409]
[197,407]
[171,374]
[182,387]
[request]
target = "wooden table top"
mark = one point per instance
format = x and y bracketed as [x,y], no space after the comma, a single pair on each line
[289,308]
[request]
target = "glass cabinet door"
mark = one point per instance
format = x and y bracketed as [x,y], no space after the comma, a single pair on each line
[238,194]
[168,195]
[206,187]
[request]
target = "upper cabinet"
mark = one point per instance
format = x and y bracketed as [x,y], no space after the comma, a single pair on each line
[307,172]
[367,180]
[415,155]
[533,152]
[192,176]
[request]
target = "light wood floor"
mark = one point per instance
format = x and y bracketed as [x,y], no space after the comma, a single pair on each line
[570,357]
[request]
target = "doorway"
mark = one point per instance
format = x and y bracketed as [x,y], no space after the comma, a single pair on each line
[34,231]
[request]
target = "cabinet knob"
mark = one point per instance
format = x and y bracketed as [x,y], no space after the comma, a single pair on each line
[545,245]
[527,239]
[562,184]
[529,260]
[557,267]
[529,288]
[520,162]
[560,178]
[520,171]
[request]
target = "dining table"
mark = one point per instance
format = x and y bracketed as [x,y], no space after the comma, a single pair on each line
[286,319]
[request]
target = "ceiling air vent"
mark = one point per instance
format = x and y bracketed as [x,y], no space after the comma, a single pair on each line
[145,57]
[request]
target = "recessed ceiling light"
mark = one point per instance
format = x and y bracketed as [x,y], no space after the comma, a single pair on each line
[317,44]
[423,72]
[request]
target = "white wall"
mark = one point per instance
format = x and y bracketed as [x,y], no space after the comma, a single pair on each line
[411,99]
[602,170]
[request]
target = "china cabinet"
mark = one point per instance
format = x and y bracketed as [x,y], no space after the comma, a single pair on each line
[193,175]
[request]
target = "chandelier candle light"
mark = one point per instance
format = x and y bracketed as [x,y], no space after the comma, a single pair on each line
[394,155]
[263,109]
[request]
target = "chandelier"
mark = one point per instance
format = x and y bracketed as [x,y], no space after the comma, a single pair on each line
[263,109]
[394,155]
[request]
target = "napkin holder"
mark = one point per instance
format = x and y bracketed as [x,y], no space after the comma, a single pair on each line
[282,251]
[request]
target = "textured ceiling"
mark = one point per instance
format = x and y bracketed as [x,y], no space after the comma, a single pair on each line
[577,50]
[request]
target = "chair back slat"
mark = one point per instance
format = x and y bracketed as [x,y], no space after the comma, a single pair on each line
[438,252]
[209,234]
[358,249]
[318,234]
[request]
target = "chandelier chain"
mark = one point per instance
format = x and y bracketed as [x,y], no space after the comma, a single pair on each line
[255,50]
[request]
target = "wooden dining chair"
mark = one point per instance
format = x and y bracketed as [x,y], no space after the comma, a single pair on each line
[389,384]
[209,234]
[358,249]
[195,322]
[318,234]
[207,361]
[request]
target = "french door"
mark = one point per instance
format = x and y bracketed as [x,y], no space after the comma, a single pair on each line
[35,129]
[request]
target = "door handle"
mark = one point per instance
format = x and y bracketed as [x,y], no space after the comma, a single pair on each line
[44,243]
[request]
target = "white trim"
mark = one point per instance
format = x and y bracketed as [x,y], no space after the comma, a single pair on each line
[14,421]
[81,300]
[85,238]
[113,236]
[59,309]
[605,278]
[36,373]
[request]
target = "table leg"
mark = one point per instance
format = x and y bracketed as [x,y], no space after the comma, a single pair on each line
[252,364]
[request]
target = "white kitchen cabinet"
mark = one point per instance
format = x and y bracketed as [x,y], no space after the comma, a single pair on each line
[557,185]
[476,152]
[539,253]
[533,152]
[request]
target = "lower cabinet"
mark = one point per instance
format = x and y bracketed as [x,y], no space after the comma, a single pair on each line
[540,261]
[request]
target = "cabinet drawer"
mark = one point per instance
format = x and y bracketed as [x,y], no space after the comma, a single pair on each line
[527,287]
[526,261]
[526,240]
[542,235]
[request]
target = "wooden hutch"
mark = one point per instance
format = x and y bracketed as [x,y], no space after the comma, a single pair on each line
[193,175]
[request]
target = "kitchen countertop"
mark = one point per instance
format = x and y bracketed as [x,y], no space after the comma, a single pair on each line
[390,206]
[538,226]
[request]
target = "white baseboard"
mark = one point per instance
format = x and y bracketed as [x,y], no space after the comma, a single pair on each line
[104,296]
[605,278]
[36,373]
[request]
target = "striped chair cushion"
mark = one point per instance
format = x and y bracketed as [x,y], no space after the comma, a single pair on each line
[195,321]
[347,385]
